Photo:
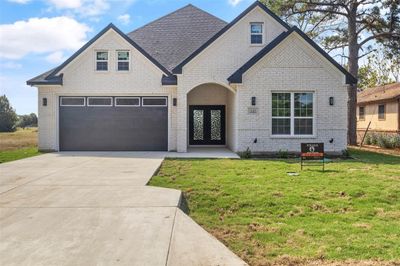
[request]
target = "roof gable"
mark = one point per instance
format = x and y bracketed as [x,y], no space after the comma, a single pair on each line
[178,68]
[238,75]
[51,77]
[172,38]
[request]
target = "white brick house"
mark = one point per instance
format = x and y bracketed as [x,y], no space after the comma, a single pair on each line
[191,79]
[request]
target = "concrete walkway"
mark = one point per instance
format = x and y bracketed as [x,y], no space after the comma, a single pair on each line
[94,209]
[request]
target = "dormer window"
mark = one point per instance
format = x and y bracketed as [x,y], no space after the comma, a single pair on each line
[123,60]
[102,61]
[256,33]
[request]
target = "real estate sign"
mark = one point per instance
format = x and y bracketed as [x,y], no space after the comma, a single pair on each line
[312,151]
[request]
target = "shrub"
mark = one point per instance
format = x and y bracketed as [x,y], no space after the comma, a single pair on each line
[245,154]
[384,141]
[395,141]
[284,154]
[368,139]
[387,141]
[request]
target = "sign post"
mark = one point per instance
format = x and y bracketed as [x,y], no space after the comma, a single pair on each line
[312,152]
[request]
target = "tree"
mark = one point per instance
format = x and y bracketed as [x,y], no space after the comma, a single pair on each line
[27,120]
[351,27]
[380,69]
[8,117]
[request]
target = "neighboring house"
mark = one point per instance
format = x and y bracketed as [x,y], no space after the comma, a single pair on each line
[379,106]
[191,79]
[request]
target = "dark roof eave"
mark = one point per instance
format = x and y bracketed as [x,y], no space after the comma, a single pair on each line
[169,80]
[178,69]
[33,83]
[57,80]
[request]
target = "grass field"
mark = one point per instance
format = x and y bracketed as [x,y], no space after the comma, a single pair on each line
[351,212]
[18,145]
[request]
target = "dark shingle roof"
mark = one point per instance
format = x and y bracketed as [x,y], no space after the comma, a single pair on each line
[381,93]
[42,79]
[172,38]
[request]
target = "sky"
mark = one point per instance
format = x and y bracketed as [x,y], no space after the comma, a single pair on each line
[38,35]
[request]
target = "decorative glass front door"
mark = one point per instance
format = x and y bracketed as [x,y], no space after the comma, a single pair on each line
[207,125]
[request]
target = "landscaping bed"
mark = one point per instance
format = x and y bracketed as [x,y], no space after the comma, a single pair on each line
[349,214]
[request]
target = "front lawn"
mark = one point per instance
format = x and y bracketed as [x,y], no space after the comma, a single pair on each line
[18,145]
[350,212]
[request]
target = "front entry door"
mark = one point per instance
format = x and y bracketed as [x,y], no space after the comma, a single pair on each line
[207,125]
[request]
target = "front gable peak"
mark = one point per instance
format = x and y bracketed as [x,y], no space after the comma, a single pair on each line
[53,77]
[257,4]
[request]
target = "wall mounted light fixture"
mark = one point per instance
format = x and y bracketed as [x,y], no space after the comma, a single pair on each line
[331,101]
[253,101]
[174,101]
[44,101]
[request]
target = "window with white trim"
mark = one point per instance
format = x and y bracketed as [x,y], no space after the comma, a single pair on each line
[123,60]
[102,61]
[154,101]
[99,101]
[256,33]
[127,101]
[72,101]
[293,113]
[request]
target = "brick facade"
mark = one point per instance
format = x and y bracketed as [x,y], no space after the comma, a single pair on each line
[292,66]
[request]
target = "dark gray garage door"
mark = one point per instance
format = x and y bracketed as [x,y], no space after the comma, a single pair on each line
[113,124]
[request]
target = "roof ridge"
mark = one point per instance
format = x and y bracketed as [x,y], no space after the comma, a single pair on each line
[173,12]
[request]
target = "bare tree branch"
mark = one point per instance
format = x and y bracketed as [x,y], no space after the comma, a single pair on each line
[320,11]
[372,51]
[330,49]
[378,36]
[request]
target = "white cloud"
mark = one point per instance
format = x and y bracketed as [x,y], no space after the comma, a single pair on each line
[10,65]
[56,57]
[19,1]
[61,4]
[234,2]
[82,7]
[41,35]
[124,19]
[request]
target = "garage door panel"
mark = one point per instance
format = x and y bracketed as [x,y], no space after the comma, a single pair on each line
[113,128]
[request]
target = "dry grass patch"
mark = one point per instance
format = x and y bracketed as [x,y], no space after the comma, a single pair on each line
[22,138]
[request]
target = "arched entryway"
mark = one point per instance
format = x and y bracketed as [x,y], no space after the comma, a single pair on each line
[211,116]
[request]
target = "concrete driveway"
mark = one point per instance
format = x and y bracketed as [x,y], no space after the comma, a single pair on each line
[94,209]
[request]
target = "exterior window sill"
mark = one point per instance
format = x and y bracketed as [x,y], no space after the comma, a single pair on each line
[293,136]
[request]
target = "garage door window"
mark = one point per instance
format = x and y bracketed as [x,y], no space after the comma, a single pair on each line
[72,101]
[154,101]
[99,101]
[127,101]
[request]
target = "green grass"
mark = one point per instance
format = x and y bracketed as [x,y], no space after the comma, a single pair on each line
[12,155]
[351,211]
